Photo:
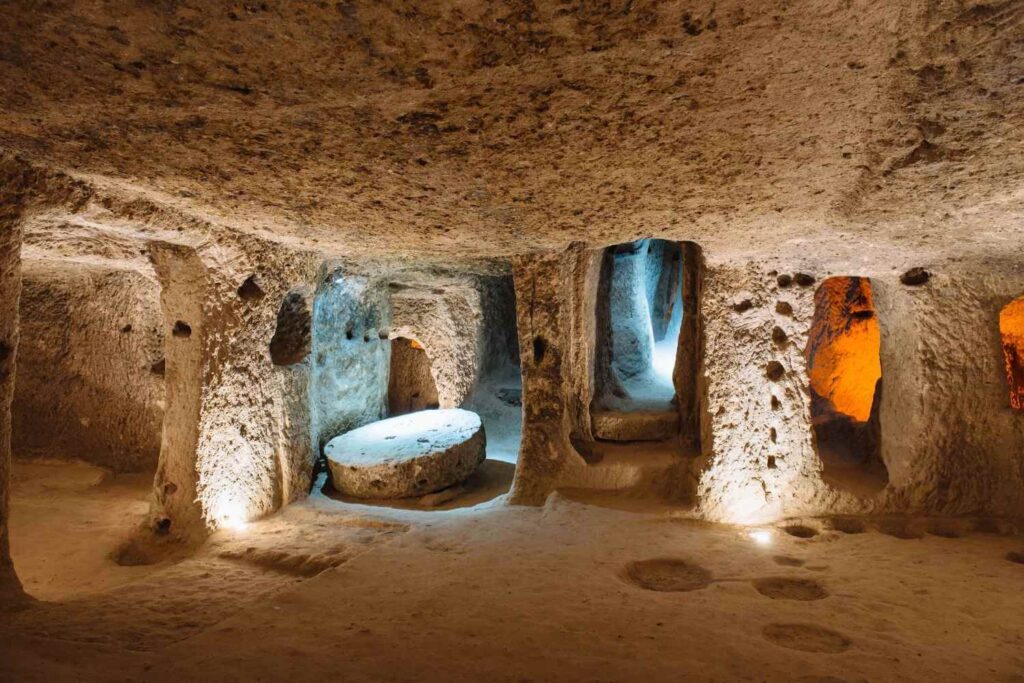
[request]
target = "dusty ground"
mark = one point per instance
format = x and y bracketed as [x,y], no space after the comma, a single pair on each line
[66,520]
[513,594]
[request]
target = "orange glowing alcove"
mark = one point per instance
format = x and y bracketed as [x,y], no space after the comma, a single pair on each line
[1011,329]
[842,353]
[845,373]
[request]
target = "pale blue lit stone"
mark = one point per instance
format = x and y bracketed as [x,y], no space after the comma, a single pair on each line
[408,455]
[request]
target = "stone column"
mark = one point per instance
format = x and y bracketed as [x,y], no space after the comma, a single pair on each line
[688,374]
[184,283]
[542,323]
[759,463]
[236,439]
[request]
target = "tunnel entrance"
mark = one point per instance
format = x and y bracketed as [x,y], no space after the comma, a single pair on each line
[846,382]
[411,385]
[87,423]
[639,320]
[1011,332]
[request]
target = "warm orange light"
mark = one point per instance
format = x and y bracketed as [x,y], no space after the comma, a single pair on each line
[415,344]
[1011,329]
[842,352]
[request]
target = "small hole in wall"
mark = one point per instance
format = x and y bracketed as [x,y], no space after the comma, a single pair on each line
[803,279]
[182,329]
[771,462]
[366,338]
[292,336]
[163,525]
[776,404]
[251,289]
[774,370]
[126,329]
[540,347]
[349,334]
[773,435]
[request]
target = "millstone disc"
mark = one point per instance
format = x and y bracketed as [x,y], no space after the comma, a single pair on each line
[408,455]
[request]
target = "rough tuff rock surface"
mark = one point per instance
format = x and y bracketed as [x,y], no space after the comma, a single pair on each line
[410,385]
[87,389]
[499,128]
[640,425]
[293,335]
[409,455]
[351,353]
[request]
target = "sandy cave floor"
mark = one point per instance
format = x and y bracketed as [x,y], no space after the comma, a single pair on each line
[326,590]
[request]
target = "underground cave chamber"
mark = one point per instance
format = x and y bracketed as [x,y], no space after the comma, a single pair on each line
[409,375]
[844,368]
[639,314]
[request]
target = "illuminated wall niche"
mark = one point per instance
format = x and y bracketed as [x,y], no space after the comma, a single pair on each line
[1011,331]
[411,385]
[846,383]
[639,315]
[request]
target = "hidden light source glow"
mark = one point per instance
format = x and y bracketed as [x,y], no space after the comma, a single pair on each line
[761,536]
[231,513]
[664,358]
[234,518]
[646,311]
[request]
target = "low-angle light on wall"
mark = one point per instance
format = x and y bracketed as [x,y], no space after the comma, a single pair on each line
[231,514]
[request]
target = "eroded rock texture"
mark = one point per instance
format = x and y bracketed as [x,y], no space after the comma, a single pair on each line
[377,128]
[410,384]
[88,388]
[292,338]
[351,353]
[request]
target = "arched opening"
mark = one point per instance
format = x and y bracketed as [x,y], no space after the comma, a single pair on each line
[1011,332]
[846,382]
[411,385]
[639,319]
[292,333]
